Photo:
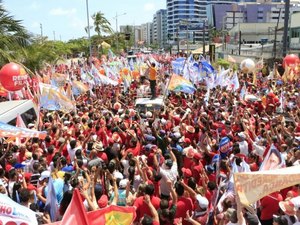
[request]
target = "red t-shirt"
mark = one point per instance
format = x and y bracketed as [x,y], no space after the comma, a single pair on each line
[135,150]
[183,205]
[142,208]
[270,205]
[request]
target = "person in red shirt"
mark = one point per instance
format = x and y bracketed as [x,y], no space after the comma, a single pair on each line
[269,207]
[142,208]
[184,204]
[134,147]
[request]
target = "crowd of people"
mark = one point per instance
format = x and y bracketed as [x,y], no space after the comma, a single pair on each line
[166,163]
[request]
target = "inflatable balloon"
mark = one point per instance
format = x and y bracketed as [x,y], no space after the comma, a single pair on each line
[247,66]
[13,77]
[290,60]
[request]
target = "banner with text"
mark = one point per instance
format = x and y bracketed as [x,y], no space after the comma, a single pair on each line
[14,213]
[252,186]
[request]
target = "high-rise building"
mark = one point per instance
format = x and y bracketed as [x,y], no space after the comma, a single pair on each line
[160,28]
[183,14]
[146,33]
[226,16]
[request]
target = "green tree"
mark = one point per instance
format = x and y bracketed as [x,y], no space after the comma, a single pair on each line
[101,24]
[38,54]
[13,36]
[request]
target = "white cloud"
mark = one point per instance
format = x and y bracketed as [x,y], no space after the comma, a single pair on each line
[149,6]
[62,12]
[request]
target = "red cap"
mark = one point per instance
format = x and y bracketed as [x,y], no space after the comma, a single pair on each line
[198,168]
[103,201]
[31,187]
[187,141]
[27,176]
[186,172]
[8,167]
[223,133]
[198,156]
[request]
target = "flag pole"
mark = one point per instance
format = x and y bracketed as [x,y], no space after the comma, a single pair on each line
[166,90]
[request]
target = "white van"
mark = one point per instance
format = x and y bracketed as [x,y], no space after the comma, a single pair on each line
[9,111]
[146,104]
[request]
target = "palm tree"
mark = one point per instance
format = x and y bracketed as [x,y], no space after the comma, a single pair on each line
[101,24]
[13,35]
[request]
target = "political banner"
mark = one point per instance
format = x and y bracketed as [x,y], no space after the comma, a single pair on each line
[12,213]
[252,186]
[7,130]
[224,146]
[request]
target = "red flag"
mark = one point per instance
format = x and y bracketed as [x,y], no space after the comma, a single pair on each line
[112,215]
[75,213]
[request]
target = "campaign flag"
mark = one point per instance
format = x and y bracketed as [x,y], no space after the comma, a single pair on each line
[14,213]
[20,122]
[112,215]
[107,81]
[207,67]
[75,213]
[243,92]
[58,79]
[178,65]
[252,186]
[51,202]
[130,63]
[79,88]
[7,130]
[224,146]
[111,74]
[179,83]
[273,160]
[235,82]
[52,98]
[111,54]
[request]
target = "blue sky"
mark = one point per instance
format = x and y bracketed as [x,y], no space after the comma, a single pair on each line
[68,18]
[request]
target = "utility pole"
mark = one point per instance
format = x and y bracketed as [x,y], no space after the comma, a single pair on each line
[41,27]
[88,23]
[286,27]
[117,35]
[275,36]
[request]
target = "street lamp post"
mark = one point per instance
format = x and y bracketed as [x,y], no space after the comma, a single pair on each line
[117,37]
[88,23]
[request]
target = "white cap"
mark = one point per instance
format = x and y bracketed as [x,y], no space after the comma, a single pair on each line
[45,174]
[123,183]
[30,125]
[202,201]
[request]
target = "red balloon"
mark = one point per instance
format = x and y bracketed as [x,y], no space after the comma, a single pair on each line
[290,60]
[13,77]
[11,223]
